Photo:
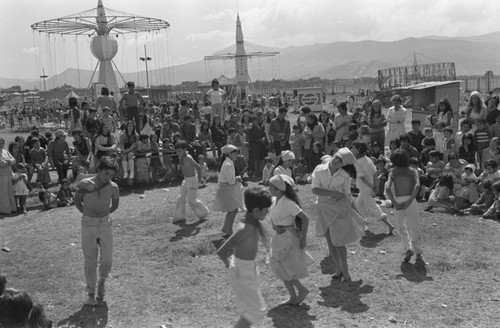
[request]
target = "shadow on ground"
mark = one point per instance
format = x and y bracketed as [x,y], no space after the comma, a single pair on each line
[187,230]
[291,316]
[327,266]
[414,272]
[371,240]
[345,295]
[87,317]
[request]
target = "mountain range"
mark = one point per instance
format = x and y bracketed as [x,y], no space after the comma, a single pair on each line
[473,55]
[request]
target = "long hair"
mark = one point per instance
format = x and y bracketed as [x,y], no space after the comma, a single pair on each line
[447,107]
[351,170]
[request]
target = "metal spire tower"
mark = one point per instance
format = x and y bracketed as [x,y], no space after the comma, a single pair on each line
[240,56]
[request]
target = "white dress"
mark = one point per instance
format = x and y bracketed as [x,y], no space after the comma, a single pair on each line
[229,196]
[396,129]
[288,261]
[336,217]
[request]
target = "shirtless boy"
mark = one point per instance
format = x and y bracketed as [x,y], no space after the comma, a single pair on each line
[243,244]
[93,198]
[405,182]
[189,187]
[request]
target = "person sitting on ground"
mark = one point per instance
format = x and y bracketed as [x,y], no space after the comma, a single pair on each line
[490,172]
[65,195]
[442,195]
[493,212]
[484,202]
[59,154]
[434,169]
[467,193]
[17,309]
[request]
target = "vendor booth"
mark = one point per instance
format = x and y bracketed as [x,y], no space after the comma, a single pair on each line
[424,94]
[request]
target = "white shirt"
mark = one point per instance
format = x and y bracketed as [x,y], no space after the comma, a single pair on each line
[266,173]
[283,211]
[216,95]
[340,181]
[281,170]
[364,168]
[227,173]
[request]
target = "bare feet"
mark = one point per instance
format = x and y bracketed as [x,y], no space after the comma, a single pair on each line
[101,292]
[302,296]
[291,301]
[337,275]
[91,300]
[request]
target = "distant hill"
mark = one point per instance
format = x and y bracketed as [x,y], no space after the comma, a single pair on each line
[473,55]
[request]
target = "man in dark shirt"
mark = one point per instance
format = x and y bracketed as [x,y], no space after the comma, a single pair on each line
[280,131]
[416,136]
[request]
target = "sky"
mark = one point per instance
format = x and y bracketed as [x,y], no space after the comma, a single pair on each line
[200,28]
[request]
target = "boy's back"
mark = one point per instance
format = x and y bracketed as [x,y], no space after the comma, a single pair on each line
[404,180]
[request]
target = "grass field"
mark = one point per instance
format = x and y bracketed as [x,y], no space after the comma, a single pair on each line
[165,274]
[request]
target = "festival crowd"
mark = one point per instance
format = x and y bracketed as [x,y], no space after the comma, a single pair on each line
[340,155]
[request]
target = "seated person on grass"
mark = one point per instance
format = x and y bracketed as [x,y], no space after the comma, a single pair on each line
[442,195]
[493,212]
[484,202]
[467,193]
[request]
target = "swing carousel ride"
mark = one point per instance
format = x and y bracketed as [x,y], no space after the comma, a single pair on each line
[102,26]
[241,84]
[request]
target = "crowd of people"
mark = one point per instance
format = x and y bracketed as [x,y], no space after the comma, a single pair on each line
[341,155]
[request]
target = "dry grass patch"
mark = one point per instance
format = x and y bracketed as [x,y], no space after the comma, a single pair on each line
[169,274]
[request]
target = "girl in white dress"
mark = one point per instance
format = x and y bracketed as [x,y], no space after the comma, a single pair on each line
[288,259]
[338,220]
[229,197]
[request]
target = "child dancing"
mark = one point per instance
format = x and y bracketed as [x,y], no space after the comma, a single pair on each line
[289,260]
[243,244]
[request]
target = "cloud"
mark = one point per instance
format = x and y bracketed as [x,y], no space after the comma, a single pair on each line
[31,51]
[217,17]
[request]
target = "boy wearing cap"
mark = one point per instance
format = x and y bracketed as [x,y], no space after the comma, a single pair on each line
[189,187]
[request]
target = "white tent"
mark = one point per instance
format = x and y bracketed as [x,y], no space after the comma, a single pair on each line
[72,94]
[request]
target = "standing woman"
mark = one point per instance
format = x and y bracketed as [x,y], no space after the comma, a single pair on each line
[475,109]
[396,116]
[229,197]
[337,220]
[76,122]
[7,199]
[444,112]
[257,145]
[219,136]
[377,123]
[313,132]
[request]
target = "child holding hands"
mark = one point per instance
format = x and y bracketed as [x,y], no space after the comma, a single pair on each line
[289,260]
[243,244]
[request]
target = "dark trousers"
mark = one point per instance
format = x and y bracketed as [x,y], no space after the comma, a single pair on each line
[133,115]
[278,148]
[62,167]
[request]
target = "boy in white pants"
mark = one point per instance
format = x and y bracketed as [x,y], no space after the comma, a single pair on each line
[189,188]
[406,187]
[365,181]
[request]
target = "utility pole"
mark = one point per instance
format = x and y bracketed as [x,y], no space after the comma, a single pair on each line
[43,76]
[146,59]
